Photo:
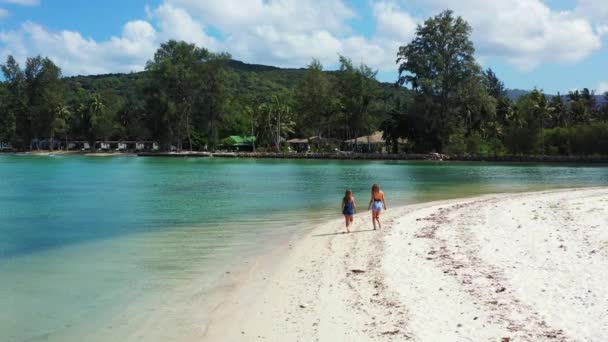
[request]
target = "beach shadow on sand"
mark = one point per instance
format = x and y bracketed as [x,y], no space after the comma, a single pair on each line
[341,233]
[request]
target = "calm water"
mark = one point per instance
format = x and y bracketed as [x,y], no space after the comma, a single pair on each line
[85,238]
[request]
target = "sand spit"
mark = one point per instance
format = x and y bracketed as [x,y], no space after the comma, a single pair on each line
[511,267]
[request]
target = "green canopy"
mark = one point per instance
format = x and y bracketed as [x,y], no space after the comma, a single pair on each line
[235,140]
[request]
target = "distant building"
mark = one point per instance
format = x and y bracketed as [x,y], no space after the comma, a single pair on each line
[298,144]
[238,143]
[370,143]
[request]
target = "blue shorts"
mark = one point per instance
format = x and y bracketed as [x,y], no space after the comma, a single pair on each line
[377,206]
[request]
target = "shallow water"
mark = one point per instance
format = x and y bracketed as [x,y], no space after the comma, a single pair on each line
[81,238]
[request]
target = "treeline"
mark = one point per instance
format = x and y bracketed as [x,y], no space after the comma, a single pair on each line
[190,98]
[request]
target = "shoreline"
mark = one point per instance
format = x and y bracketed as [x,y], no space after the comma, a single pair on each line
[327,286]
[540,159]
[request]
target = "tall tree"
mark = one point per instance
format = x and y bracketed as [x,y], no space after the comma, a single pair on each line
[582,106]
[187,81]
[172,93]
[275,121]
[7,116]
[437,63]
[43,91]
[496,88]
[15,103]
[560,113]
[358,92]
[61,123]
[212,99]
[314,102]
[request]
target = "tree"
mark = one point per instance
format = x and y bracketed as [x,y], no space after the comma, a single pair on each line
[250,113]
[560,113]
[496,88]
[314,103]
[398,125]
[526,131]
[43,91]
[437,63]
[213,97]
[604,107]
[15,118]
[275,121]
[582,106]
[175,84]
[131,118]
[92,118]
[61,124]
[7,116]
[357,93]
[186,81]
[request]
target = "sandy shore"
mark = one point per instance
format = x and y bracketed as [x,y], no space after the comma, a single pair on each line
[513,267]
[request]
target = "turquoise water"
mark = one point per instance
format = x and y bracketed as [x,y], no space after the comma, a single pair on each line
[83,237]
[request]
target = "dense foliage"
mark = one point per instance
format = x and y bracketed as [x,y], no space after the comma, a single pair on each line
[191,98]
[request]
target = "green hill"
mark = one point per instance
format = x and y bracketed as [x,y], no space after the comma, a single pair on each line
[247,80]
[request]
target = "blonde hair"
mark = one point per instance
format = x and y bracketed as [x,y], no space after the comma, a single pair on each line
[375,189]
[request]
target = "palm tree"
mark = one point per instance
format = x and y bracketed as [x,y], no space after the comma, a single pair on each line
[544,111]
[278,121]
[251,113]
[60,124]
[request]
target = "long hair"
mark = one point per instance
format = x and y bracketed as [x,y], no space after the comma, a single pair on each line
[348,196]
[375,189]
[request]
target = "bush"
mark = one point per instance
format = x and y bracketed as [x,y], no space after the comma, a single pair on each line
[456,144]
[584,139]
[523,140]
[475,145]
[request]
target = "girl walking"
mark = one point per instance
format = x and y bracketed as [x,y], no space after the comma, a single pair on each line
[376,204]
[348,209]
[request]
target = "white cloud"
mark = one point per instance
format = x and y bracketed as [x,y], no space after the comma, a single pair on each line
[21,2]
[280,32]
[593,9]
[526,32]
[176,23]
[76,54]
[602,87]
[3,13]
[393,23]
[291,32]
[290,15]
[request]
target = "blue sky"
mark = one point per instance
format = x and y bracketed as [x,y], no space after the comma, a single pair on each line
[555,45]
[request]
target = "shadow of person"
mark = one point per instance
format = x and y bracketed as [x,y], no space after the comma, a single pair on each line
[340,233]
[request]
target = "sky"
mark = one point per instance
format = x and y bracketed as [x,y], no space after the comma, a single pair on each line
[553,45]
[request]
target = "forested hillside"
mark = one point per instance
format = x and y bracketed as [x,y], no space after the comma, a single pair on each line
[191,98]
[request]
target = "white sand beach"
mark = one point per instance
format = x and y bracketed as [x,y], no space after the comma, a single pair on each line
[509,267]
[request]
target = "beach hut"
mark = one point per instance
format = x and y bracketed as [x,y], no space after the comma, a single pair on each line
[102,145]
[368,143]
[238,143]
[298,144]
[78,145]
